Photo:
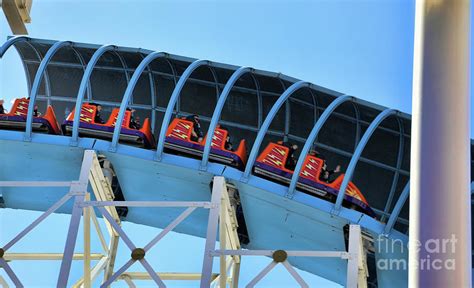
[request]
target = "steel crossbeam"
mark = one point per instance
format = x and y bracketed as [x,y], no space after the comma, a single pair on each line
[90,170]
[222,219]
[356,266]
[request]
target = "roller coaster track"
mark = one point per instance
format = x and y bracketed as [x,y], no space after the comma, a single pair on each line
[278,217]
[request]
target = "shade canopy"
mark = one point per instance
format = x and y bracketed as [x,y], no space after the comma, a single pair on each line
[381,173]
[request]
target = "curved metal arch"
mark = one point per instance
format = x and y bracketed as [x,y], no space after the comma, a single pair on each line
[218,110]
[397,209]
[172,102]
[153,94]
[37,81]
[47,82]
[286,128]
[38,54]
[27,41]
[173,70]
[216,80]
[10,42]
[214,76]
[358,152]
[151,81]
[259,99]
[357,116]
[81,59]
[401,146]
[83,86]
[175,76]
[84,65]
[128,92]
[268,120]
[315,105]
[311,138]
[124,65]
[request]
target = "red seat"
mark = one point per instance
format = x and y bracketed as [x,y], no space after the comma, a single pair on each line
[181,130]
[88,126]
[275,155]
[16,118]
[88,113]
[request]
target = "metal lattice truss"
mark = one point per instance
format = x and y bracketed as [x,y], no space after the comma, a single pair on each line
[222,220]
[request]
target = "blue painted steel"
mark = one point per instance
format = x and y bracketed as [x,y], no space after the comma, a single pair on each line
[311,138]
[172,102]
[358,152]
[268,120]
[269,217]
[36,83]
[217,112]
[83,86]
[397,209]
[10,42]
[128,92]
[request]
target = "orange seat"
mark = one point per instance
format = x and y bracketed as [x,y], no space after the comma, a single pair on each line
[20,109]
[351,189]
[275,155]
[114,115]
[219,139]
[88,114]
[181,129]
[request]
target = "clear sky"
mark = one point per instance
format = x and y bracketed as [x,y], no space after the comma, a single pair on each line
[362,48]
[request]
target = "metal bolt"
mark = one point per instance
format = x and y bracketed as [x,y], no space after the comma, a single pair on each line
[138,254]
[279,256]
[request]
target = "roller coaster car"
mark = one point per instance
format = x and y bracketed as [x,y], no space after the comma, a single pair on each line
[271,164]
[178,139]
[87,127]
[16,119]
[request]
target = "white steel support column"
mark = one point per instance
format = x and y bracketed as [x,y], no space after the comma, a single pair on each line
[440,155]
[353,261]
[87,244]
[109,268]
[211,237]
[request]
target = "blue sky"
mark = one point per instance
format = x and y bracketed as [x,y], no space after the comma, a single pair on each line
[359,48]
[362,48]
